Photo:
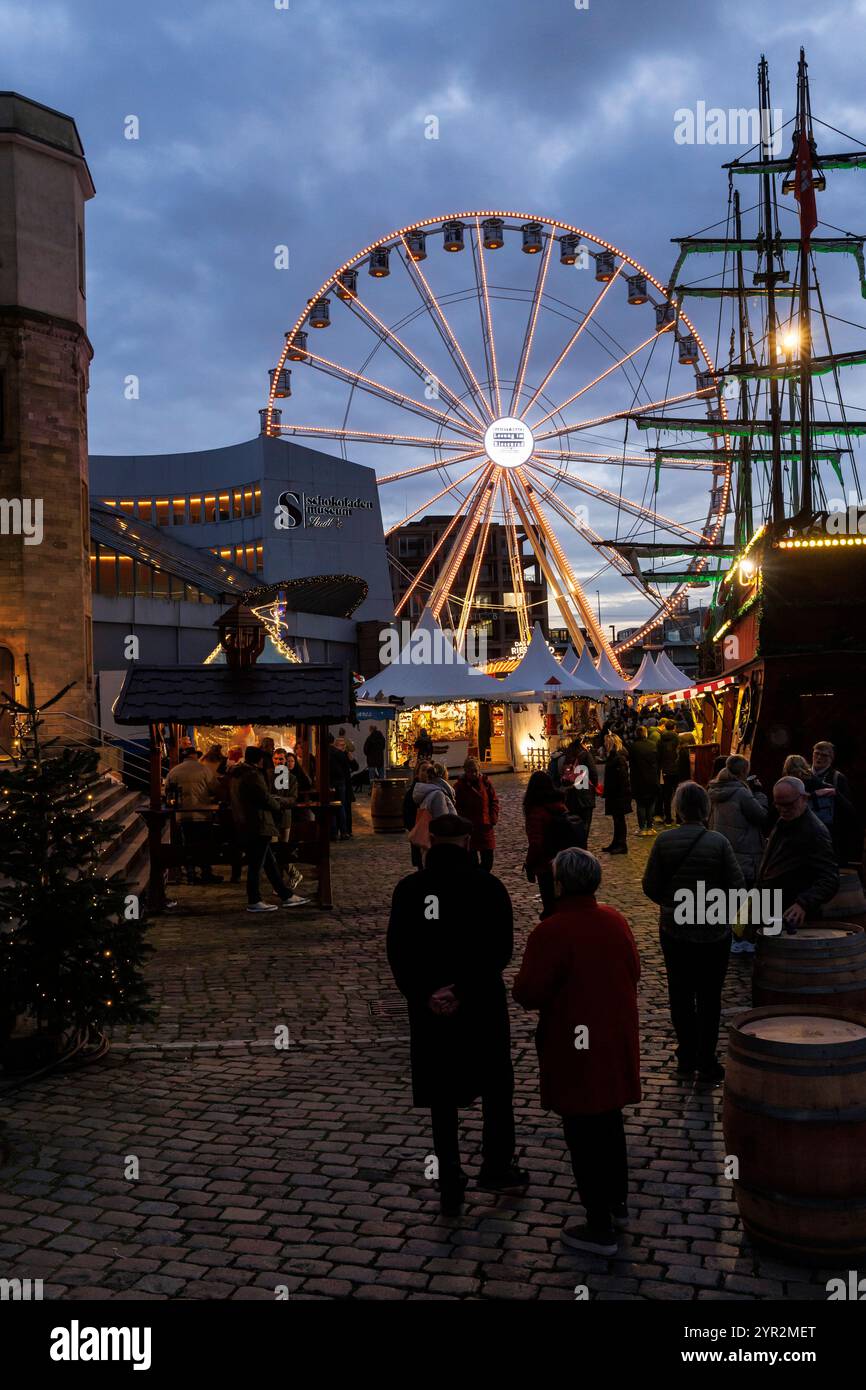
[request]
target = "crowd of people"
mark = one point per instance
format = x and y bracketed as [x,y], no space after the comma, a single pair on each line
[450,937]
[243,801]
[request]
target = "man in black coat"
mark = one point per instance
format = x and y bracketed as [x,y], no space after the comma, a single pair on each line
[450,937]
[798,859]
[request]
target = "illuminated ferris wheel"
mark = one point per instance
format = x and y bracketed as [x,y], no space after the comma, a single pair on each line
[527,347]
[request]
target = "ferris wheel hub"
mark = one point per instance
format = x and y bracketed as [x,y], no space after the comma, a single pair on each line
[508,442]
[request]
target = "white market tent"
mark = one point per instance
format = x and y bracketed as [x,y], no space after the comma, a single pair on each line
[653,679]
[586,671]
[429,669]
[646,681]
[616,684]
[666,667]
[540,674]
[568,661]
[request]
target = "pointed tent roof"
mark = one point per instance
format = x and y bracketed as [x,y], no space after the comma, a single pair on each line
[569,659]
[647,681]
[611,678]
[427,669]
[539,673]
[585,671]
[666,667]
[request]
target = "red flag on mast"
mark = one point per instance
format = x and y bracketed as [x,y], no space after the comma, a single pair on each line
[804,188]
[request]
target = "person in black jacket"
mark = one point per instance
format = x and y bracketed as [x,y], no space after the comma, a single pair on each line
[574,773]
[798,858]
[669,749]
[643,760]
[833,804]
[450,936]
[617,793]
[340,777]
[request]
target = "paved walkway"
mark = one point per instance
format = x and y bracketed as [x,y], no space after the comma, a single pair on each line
[301,1168]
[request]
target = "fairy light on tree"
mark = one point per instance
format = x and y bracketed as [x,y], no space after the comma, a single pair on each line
[70,957]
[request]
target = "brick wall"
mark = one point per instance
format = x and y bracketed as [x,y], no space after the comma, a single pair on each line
[45,588]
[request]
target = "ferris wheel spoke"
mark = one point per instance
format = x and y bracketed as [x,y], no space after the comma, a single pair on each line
[566,590]
[572,340]
[532,322]
[444,329]
[409,358]
[387,393]
[429,467]
[449,487]
[653,338]
[416,441]
[622,460]
[515,560]
[569,515]
[486,318]
[458,516]
[592,624]
[457,554]
[620,414]
[477,560]
[656,519]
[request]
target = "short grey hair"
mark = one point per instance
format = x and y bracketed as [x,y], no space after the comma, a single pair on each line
[577,871]
[691,802]
[794,783]
[737,764]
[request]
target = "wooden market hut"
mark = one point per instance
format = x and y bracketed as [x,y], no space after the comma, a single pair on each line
[168,698]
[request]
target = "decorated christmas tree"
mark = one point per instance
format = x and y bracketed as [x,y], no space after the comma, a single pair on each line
[72,943]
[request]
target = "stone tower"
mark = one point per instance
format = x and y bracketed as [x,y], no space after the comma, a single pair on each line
[44,363]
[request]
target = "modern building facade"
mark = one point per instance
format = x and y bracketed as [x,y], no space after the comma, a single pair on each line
[176,533]
[494,608]
[44,364]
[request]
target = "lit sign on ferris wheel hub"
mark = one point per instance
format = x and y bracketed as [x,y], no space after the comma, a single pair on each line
[508,442]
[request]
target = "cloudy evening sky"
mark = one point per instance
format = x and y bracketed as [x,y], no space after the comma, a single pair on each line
[306,127]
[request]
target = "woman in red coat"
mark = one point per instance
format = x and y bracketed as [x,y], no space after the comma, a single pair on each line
[580,970]
[542,803]
[478,803]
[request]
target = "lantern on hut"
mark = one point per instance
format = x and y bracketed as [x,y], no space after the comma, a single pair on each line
[242,636]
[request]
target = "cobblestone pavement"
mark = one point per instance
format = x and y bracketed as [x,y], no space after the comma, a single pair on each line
[302,1168]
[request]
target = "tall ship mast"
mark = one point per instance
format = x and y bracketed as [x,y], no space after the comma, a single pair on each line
[785,644]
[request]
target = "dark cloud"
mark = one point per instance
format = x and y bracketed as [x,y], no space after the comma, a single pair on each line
[305,127]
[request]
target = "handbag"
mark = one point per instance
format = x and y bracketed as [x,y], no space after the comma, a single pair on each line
[419,835]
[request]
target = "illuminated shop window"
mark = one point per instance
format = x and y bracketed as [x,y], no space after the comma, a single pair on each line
[145,509]
[125,576]
[225,511]
[107,573]
[195,512]
[143,580]
[161,505]
[178,511]
[237,502]
[128,506]
[210,508]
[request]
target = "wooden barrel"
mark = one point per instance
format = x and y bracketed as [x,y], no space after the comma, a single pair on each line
[386,805]
[821,966]
[794,1117]
[849,904]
